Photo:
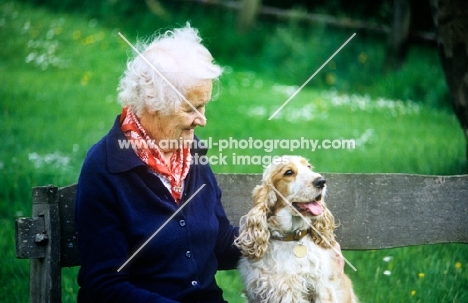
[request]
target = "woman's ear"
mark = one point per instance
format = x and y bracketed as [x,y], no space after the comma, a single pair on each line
[149,111]
[254,234]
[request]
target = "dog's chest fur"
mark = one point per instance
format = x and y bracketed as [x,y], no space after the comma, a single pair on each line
[280,268]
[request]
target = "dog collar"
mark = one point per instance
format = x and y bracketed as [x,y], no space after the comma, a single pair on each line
[295,235]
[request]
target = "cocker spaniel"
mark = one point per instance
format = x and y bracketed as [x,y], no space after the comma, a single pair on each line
[285,260]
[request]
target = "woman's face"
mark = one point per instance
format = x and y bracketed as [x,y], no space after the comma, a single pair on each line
[169,131]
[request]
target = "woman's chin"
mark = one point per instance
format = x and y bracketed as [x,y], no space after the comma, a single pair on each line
[187,137]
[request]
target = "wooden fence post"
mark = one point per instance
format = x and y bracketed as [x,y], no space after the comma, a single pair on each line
[45,282]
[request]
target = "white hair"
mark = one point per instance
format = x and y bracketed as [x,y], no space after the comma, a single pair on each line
[180,57]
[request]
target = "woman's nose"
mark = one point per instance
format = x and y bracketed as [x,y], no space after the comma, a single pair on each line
[200,120]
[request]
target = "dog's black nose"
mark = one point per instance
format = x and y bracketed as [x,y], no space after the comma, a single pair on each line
[319,182]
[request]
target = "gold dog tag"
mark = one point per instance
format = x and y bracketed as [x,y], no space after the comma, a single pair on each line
[300,250]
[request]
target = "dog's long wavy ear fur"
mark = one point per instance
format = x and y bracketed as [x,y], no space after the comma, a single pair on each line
[254,234]
[325,224]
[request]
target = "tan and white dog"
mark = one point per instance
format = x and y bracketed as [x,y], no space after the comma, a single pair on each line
[284,259]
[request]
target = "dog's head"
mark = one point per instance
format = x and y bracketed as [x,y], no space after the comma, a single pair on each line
[289,187]
[296,184]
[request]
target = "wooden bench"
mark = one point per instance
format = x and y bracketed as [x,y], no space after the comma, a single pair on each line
[375,211]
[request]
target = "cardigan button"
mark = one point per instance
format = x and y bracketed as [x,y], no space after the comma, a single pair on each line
[182,223]
[194,283]
[188,254]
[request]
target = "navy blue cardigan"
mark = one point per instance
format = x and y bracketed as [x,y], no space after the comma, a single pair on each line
[120,204]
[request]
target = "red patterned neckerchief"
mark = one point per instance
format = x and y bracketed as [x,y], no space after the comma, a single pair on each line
[149,152]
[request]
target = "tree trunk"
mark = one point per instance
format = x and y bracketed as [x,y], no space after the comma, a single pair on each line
[451,21]
[397,45]
[247,14]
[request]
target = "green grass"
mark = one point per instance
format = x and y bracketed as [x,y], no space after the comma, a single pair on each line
[58,77]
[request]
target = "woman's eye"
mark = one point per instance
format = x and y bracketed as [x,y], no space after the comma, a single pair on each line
[191,109]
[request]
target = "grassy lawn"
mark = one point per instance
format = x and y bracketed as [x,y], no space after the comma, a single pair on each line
[58,77]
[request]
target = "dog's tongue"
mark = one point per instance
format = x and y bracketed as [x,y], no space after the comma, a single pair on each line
[314,207]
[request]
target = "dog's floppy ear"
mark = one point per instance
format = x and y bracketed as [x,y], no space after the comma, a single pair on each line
[325,224]
[254,234]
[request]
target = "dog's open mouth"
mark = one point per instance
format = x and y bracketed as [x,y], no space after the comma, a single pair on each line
[313,207]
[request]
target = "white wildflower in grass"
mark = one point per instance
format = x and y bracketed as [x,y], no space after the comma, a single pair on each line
[365,103]
[54,160]
[387,258]
[364,138]
[318,108]
[43,51]
[287,90]
[257,111]
[387,272]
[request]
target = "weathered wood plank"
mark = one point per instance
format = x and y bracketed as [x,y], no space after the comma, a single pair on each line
[30,238]
[393,210]
[378,211]
[45,281]
[68,235]
[237,193]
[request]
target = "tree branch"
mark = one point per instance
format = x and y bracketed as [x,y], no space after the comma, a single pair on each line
[317,18]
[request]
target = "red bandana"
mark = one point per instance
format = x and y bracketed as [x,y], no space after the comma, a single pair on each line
[148,152]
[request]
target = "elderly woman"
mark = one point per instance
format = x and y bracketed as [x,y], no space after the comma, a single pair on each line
[127,192]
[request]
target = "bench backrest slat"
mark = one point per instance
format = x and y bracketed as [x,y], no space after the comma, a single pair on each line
[393,210]
[378,211]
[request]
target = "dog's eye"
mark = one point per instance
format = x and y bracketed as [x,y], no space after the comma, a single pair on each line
[289,172]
